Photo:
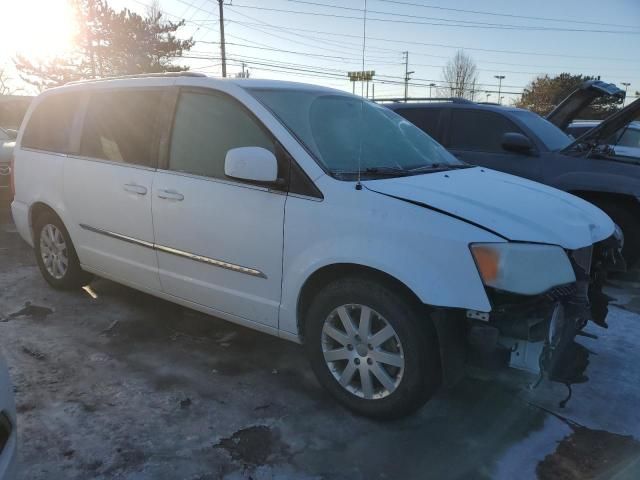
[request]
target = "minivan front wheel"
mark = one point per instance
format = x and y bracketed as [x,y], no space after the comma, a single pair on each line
[374,351]
[55,254]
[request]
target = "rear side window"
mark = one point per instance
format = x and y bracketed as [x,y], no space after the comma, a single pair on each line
[426,119]
[206,127]
[50,125]
[120,126]
[475,130]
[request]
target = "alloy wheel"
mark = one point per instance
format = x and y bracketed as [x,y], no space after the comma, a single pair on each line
[362,351]
[53,250]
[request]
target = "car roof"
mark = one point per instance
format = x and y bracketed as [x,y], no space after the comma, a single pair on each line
[169,78]
[466,104]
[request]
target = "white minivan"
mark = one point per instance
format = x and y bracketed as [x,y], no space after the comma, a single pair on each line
[310,214]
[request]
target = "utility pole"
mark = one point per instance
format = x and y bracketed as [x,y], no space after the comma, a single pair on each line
[500,78]
[222,49]
[431,85]
[406,75]
[626,87]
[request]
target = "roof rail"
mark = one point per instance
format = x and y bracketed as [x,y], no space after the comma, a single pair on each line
[423,99]
[140,75]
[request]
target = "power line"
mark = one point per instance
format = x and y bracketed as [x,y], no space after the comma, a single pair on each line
[444,45]
[469,22]
[509,15]
[412,22]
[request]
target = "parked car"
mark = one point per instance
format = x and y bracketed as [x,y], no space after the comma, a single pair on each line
[625,142]
[8,431]
[310,214]
[523,143]
[7,142]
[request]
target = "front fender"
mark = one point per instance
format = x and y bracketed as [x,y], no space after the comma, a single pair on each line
[425,250]
[599,182]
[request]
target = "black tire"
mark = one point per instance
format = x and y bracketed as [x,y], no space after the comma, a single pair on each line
[422,372]
[74,276]
[628,220]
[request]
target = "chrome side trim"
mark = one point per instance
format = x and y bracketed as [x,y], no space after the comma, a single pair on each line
[174,251]
[118,236]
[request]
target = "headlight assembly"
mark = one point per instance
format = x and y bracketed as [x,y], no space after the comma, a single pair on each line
[524,268]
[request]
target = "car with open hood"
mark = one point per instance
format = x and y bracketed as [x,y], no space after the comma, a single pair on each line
[624,143]
[314,215]
[522,143]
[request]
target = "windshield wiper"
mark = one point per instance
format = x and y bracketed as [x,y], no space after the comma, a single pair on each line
[439,167]
[382,171]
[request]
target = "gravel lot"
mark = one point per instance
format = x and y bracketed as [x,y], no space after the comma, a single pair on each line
[125,385]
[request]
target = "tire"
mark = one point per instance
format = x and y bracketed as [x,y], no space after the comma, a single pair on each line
[56,255]
[414,344]
[628,220]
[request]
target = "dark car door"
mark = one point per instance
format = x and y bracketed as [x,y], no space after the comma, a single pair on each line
[475,137]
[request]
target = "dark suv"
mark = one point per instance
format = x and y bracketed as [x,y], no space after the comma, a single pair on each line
[523,143]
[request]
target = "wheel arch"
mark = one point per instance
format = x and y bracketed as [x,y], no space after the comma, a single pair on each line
[37,209]
[328,273]
[594,196]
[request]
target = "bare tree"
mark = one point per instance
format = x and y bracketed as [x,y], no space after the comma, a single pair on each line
[6,87]
[461,76]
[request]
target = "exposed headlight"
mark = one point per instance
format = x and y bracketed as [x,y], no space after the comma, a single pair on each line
[524,268]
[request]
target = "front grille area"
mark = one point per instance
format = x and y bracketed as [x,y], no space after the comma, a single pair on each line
[5,431]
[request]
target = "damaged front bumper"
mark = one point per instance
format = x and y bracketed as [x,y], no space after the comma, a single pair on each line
[537,333]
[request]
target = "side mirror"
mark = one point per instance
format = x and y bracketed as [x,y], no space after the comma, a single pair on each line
[256,164]
[516,142]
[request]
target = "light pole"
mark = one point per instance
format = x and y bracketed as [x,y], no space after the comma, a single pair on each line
[626,87]
[488,95]
[500,78]
[431,85]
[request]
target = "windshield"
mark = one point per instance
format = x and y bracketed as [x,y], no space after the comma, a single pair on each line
[552,137]
[344,133]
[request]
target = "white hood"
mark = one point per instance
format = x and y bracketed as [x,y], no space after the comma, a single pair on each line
[515,208]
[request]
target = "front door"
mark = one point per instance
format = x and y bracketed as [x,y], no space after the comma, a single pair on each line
[219,241]
[475,137]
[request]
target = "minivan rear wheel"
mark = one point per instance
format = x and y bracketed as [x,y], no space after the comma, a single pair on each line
[55,254]
[371,348]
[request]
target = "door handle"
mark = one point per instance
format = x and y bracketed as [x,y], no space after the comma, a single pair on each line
[170,195]
[137,189]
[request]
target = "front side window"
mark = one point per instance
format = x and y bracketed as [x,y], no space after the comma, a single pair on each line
[479,131]
[120,126]
[346,134]
[50,125]
[208,125]
[549,134]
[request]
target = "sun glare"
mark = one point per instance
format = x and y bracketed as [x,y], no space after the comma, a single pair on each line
[37,29]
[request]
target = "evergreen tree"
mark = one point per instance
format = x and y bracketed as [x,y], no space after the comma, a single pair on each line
[110,43]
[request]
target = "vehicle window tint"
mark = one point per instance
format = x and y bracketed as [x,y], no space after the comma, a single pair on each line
[630,138]
[49,127]
[426,119]
[120,126]
[479,131]
[206,127]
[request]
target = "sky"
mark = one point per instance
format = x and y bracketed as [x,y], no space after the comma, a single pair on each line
[517,39]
